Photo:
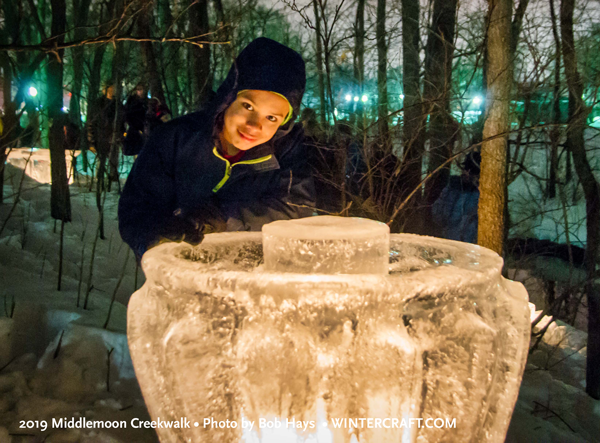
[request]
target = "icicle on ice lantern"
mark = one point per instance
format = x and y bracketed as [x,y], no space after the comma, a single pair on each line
[328,330]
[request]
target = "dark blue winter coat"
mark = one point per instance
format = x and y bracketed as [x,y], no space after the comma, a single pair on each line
[455,210]
[180,182]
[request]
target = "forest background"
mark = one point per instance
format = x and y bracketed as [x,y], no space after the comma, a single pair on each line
[413,86]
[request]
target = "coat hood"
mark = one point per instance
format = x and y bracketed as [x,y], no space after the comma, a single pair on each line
[267,66]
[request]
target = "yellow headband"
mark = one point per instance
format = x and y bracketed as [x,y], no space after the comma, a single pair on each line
[290,112]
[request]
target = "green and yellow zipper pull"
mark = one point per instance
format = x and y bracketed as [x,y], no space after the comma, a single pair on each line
[228,167]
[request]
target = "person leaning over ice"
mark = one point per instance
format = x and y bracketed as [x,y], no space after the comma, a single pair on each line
[235,165]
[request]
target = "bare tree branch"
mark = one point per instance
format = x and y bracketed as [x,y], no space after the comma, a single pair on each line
[53,47]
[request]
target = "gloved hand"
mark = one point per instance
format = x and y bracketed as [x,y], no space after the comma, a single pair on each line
[184,229]
[206,219]
[213,225]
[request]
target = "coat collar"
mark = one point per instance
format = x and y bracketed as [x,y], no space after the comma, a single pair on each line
[258,152]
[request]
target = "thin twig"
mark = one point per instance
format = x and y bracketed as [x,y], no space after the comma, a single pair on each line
[555,414]
[108,369]
[80,274]
[90,276]
[60,254]
[58,346]
[114,295]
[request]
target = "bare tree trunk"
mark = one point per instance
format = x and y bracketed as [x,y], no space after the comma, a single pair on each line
[319,59]
[92,98]
[117,127]
[81,8]
[359,63]
[223,34]
[412,130]
[359,46]
[556,117]
[517,25]
[9,33]
[94,85]
[154,81]
[331,101]
[9,121]
[478,126]
[382,90]
[436,91]
[169,55]
[60,198]
[200,27]
[188,95]
[492,184]
[576,144]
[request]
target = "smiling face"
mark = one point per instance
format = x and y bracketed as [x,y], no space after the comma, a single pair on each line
[252,119]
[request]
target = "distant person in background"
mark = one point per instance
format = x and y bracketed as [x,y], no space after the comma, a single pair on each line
[29,129]
[455,211]
[72,134]
[356,167]
[142,116]
[107,122]
[136,108]
[156,115]
[312,129]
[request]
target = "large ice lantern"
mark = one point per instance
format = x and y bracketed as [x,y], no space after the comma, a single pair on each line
[328,330]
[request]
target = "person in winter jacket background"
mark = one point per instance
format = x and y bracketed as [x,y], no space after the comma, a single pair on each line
[136,108]
[455,210]
[235,165]
[157,114]
[108,120]
[142,116]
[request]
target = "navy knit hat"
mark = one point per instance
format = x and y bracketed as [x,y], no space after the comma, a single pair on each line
[267,66]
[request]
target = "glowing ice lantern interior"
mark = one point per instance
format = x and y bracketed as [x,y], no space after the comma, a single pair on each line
[305,323]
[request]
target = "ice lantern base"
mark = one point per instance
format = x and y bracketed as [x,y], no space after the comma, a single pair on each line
[336,323]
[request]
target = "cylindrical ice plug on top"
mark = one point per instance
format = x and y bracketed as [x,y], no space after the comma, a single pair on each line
[327,245]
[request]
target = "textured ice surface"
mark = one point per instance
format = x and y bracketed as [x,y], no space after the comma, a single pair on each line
[327,245]
[214,334]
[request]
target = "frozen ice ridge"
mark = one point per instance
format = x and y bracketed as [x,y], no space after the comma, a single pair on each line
[334,325]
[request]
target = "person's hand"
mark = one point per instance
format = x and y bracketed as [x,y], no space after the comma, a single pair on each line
[214,225]
[185,229]
[206,219]
[194,236]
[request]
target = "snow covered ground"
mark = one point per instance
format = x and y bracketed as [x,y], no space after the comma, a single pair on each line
[532,213]
[58,361]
